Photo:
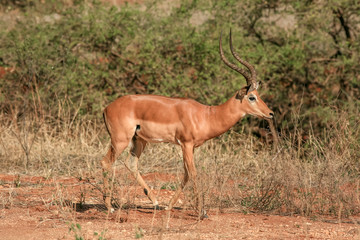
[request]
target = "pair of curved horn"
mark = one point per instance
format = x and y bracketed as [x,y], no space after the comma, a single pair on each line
[250,78]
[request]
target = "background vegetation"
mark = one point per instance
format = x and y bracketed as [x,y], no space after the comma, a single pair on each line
[63,61]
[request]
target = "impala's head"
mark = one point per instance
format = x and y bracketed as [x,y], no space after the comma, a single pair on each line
[248,96]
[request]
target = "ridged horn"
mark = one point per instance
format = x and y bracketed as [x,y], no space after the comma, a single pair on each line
[250,78]
[233,66]
[251,68]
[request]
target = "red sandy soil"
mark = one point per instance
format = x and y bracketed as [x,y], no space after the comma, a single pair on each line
[39,208]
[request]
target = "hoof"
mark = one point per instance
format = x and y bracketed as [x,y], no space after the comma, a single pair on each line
[203,215]
[110,210]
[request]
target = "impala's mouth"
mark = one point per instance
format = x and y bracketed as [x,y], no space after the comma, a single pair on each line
[270,116]
[263,116]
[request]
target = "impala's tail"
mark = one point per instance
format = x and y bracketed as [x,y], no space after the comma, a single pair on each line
[106,123]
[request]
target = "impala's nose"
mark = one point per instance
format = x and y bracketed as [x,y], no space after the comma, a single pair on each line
[271,114]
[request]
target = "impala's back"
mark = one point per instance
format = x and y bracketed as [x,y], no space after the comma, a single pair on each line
[154,118]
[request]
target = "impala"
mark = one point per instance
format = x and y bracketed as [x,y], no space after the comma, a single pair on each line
[135,120]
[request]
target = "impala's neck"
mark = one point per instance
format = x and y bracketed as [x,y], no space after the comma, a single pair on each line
[223,117]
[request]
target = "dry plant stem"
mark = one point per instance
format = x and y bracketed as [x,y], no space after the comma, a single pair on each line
[311,171]
[168,213]
[339,214]
[153,219]
[118,214]
[274,134]
[25,143]
[108,194]
[357,191]
[41,112]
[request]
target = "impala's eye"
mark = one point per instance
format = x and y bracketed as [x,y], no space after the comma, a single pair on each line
[252,98]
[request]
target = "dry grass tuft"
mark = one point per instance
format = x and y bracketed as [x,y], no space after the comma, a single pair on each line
[312,177]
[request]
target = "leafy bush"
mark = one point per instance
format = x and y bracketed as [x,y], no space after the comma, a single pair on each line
[305,53]
[62,62]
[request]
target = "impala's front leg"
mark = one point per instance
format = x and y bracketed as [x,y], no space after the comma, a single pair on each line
[189,174]
[178,191]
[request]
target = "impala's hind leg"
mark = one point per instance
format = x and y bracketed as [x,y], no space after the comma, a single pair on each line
[138,146]
[114,151]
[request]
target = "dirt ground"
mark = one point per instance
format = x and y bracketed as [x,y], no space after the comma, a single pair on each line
[66,208]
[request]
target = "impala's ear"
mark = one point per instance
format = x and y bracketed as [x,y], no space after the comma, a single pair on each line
[242,92]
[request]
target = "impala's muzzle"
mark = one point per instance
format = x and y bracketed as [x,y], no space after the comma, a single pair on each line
[270,115]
